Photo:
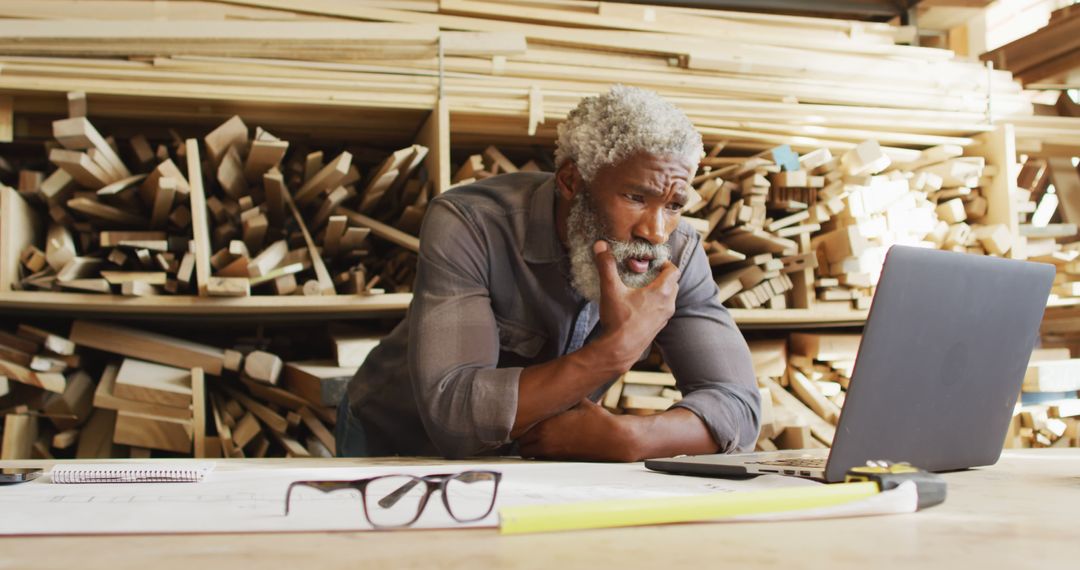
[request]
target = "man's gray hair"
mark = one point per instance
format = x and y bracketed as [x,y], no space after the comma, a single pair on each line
[605,129]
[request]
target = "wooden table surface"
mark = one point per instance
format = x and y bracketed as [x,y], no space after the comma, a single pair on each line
[1023,512]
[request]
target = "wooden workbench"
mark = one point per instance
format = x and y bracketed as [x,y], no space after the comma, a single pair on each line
[1022,513]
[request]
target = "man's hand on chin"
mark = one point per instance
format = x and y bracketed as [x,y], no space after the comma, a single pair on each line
[586,432]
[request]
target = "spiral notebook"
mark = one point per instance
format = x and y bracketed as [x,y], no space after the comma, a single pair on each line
[131,472]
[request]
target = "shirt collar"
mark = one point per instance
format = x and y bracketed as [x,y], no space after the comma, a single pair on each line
[542,243]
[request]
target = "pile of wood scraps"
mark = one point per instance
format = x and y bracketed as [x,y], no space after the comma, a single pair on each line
[147,392]
[756,81]
[783,230]
[791,416]
[492,161]
[234,216]
[1050,413]
[804,377]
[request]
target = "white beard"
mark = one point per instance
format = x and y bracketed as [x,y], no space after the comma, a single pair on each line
[583,229]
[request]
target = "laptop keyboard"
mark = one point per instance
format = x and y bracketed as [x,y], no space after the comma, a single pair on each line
[805,462]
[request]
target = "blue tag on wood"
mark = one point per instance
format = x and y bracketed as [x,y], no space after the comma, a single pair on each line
[786,158]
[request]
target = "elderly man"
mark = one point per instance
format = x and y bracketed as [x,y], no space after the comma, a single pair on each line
[535,292]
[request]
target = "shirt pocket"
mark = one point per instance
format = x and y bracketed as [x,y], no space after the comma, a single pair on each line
[518,338]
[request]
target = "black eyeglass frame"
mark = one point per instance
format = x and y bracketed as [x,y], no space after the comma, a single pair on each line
[435,482]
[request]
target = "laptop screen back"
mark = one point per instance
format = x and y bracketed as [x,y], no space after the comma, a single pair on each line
[941,362]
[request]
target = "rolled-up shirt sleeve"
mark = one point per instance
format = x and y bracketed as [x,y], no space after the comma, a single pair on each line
[710,359]
[466,403]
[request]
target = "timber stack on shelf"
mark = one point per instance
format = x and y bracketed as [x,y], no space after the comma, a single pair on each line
[779,228]
[804,377]
[1050,55]
[100,389]
[268,158]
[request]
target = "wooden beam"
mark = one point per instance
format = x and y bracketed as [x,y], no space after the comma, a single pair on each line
[199,223]
[147,345]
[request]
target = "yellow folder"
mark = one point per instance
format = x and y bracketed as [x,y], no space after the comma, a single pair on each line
[662,510]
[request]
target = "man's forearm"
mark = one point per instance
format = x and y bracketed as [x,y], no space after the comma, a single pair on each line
[549,388]
[677,431]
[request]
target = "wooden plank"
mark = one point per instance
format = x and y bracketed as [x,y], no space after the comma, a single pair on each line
[263,156]
[21,226]
[7,118]
[274,421]
[1066,182]
[228,287]
[142,381]
[244,38]
[147,345]
[494,155]
[77,133]
[227,135]
[274,395]
[49,341]
[199,224]
[53,382]
[104,398]
[821,429]
[826,346]
[769,357]
[20,433]
[153,432]
[810,395]
[352,348]
[106,213]
[328,177]
[325,283]
[223,429]
[247,427]
[148,277]
[649,378]
[393,235]
[318,429]
[268,259]
[72,408]
[383,178]
[163,202]
[320,382]
[645,403]
[435,134]
[96,437]
[1053,376]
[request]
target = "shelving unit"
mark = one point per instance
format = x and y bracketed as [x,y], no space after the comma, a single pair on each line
[441,130]
[748,82]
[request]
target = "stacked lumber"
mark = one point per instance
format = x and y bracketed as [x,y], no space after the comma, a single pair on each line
[642,393]
[778,226]
[492,161]
[786,421]
[804,377]
[1048,203]
[240,217]
[755,80]
[296,39]
[159,394]
[1049,412]
[1048,55]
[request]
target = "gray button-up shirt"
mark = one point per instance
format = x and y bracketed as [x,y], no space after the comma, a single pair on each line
[493,295]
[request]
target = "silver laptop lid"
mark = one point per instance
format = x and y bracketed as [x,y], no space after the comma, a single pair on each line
[941,362]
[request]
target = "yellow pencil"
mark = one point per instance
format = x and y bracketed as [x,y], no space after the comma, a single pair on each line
[634,512]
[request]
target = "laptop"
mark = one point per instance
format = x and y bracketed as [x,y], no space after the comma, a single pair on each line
[942,358]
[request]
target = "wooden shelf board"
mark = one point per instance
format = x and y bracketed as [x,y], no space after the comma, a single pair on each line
[344,306]
[788,318]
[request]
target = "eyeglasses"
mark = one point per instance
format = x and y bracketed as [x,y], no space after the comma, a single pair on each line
[394,501]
